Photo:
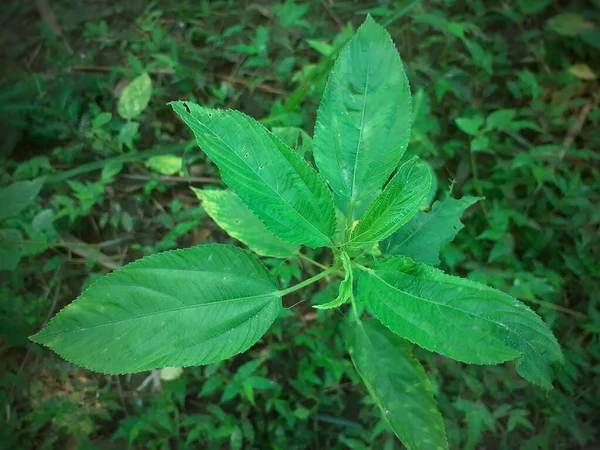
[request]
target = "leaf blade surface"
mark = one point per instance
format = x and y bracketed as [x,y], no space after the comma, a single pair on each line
[364,119]
[396,205]
[460,318]
[18,196]
[423,236]
[232,215]
[398,384]
[269,177]
[175,309]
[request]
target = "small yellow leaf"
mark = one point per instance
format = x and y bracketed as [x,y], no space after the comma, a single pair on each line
[170,373]
[165,164]
[582,71]
[569,24]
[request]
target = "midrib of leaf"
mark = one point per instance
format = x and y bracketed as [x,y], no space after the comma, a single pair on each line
[164,311]
[429,216]
[259,176]
[502,325]
[360,133]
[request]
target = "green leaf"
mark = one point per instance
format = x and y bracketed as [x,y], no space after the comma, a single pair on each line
[569,24]
[422,237]
[228,211]
[500,119]
[295,138]
[459,318]
[175,309]
[101,119]
[363,122]
[135,97]
[345,290]
[18,196]
[470,125]
[10,250]
[395,206]
[398,384]
[275,182]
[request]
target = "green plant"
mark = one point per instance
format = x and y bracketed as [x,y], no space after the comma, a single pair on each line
[207,303]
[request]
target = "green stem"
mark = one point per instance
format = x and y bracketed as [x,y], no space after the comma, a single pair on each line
[476,180]
[311,261]
[308,281]
[128,157]
[63,244]
[354,309]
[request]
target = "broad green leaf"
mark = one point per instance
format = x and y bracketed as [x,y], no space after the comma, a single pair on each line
[228,211]
[345,290]
[175,309]
[395,206]
[135,97]
[363,123]
[422,237]
[275,182]
[10,249]
[18,196]
[459,318]
[398,384]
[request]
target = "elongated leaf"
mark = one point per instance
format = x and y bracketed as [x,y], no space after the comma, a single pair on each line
[10,249]
[422,237]
[395,206]
[459,318]
[18,196]
[270,178]
[135,97]
[175,309]
[345,290]
[398,384]
[228,211]
[363,122]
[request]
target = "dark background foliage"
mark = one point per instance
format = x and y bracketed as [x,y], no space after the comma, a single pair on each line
[506,107]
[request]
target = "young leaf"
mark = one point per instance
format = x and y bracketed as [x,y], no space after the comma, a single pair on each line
[459,318]
[398,384]
[363,122]
[175,309]
[228,211]
[270,178]
[395,206]
[345,290]
[295,138]
[135,97]
[18,196]
[422,237]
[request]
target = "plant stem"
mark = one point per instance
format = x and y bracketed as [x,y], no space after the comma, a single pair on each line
[354,309]
[476,180]
[308,281]
[310,260]
[64,244]
[128,157]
